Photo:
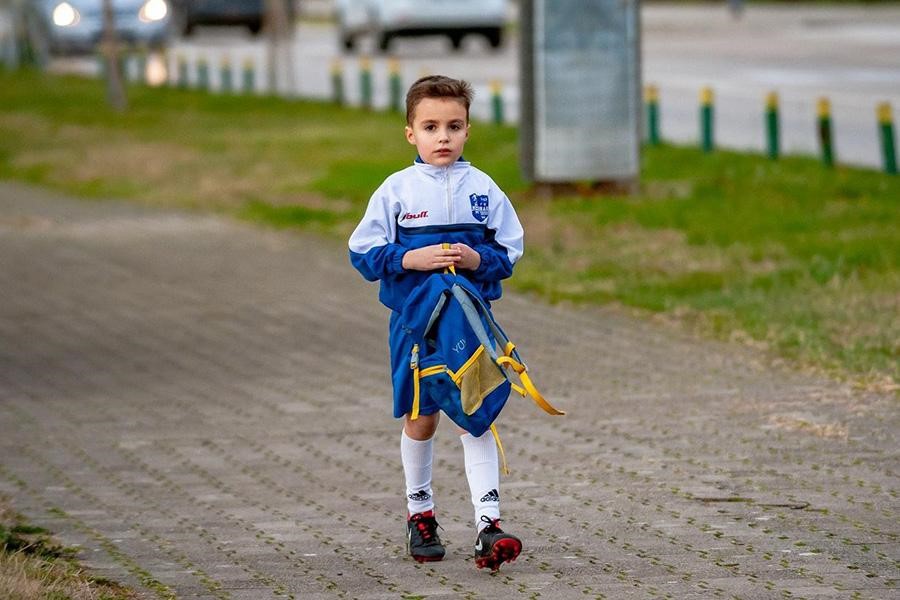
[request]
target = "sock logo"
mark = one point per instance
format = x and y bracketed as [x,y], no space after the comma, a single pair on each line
[420,496]
[491,496]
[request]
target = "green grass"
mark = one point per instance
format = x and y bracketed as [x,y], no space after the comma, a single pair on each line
[35,567]
[786,255]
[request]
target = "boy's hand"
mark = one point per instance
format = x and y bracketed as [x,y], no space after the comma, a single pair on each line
[468,257]
[432,258]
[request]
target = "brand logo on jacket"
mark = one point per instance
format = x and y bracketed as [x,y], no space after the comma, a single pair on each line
[410,216]
[479,206]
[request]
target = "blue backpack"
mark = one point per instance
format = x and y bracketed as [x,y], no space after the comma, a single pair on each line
[461,359]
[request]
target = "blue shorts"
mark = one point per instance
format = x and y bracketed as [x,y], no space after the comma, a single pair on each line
[401,375]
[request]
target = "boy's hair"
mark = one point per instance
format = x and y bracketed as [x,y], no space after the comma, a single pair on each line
[437,86]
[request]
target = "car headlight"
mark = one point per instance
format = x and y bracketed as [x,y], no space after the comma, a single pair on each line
[65,15]
[153,10]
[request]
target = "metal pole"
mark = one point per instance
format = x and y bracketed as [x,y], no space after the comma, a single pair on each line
[115,88]
[886,125]
[653,115]
[825,132]
[772,125]
[706,119]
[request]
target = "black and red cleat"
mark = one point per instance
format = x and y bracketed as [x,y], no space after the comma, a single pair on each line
[493,547]
[422,540]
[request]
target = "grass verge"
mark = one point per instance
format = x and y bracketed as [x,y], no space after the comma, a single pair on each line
[34,567]
[785,255]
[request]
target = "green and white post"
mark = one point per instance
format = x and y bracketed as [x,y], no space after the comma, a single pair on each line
[706,119]
[226,83]
[182,78]
[886,126]
[826,142]
[395,85]
[137,68]
[365,82]
[772,126]
[497,101]
[203,73]
[248,76]
[651,95]
[337,81]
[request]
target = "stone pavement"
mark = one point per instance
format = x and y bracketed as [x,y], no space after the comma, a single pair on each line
[203,406]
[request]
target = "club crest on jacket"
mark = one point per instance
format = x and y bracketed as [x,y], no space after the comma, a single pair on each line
[479,206]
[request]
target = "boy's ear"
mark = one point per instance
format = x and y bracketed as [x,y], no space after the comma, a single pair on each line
[409,135]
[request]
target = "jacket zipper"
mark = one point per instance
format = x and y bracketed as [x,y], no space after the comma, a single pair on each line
[449,199]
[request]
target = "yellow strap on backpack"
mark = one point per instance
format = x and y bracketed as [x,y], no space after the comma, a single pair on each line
[451,268]
[503,464]
[414,413]
[527,386]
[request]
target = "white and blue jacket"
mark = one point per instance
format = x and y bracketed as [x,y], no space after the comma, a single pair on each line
[424,205]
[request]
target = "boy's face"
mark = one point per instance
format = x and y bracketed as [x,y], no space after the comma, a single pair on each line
[439,130]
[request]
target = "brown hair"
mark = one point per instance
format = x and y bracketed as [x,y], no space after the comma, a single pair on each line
[437,86]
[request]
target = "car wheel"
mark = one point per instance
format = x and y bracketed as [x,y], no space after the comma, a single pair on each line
[494,37]
[255,27]
[456,40]
[348,42]
[384,42]
[176,25]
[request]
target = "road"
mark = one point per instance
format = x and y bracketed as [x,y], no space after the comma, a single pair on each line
[850,55]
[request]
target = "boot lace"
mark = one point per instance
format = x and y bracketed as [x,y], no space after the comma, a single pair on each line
[492,524]
[426,526]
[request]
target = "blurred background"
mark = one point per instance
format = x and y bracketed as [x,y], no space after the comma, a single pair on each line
[847,54]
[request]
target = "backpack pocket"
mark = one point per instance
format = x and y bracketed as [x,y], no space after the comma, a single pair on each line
[476,379]
[472,396]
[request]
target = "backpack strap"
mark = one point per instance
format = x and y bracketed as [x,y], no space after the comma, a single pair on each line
[451,268]
[472,305]
[527,386]
[504,466]
[414,365]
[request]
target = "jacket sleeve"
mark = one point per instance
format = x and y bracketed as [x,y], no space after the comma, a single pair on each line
[504,247]
[373,251]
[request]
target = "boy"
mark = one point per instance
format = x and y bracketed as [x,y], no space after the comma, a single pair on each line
[440,198]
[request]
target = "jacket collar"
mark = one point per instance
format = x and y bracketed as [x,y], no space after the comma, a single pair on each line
[423,167]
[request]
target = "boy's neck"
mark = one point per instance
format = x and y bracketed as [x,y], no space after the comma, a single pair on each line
[419,160]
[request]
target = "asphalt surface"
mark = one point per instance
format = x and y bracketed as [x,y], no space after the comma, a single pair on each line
[204,408]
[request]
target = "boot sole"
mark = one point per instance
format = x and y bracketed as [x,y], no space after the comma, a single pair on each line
[506,550]
[425,559]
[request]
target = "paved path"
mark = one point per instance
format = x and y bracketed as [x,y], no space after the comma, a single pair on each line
[203,407]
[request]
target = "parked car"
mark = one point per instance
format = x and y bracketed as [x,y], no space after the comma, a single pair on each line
[76,26]
[387,19]
[250,13]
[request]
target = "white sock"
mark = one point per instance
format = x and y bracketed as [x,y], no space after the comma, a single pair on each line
[483,473]
[417,457]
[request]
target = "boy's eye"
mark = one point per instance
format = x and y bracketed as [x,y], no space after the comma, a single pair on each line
[429,128]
